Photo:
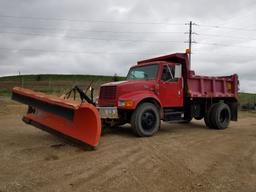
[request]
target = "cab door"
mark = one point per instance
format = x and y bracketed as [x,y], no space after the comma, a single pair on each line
[171,86]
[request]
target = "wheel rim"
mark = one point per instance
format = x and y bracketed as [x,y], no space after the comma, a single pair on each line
[224,116]
[148,120]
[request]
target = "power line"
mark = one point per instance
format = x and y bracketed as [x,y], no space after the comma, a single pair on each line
[87,21]
[90,31]
[124,40]
[224,27]
[84,30]
[60,51]
[227,36]
[225,45]
[20,50]
[129,40]
[87,38]
[126,32]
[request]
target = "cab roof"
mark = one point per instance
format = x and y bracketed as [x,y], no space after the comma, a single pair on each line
[174,58]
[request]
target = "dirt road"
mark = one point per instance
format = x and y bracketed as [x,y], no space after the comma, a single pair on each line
[179,158]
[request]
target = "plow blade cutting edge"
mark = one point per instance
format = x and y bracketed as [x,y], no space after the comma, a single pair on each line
[76,120]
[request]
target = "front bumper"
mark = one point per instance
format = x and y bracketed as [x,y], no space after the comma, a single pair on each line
[108,112]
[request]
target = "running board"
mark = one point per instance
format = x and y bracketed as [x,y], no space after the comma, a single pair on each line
[173,115]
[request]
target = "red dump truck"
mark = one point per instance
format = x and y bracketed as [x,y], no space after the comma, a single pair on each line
[161,88]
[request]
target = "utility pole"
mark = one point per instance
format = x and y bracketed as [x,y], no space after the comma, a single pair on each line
[190,41]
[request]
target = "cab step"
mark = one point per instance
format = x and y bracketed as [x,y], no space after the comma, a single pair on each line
[173,115]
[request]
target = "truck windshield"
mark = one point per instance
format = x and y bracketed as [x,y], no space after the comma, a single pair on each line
[148,72]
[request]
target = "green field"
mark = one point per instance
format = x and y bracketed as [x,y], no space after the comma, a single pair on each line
[246,98]
[59,77]
[59,83]
[54,83]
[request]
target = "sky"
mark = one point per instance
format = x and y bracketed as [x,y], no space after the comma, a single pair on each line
[108,36]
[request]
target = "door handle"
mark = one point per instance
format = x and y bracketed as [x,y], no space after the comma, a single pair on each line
[182,83]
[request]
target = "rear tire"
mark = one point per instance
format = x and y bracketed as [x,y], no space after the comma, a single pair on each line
[197,111]
[145,120]
[220,116]
[207,117]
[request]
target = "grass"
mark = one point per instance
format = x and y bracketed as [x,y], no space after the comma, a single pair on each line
[4,92]
[244,98]
[59,77]
[46,82]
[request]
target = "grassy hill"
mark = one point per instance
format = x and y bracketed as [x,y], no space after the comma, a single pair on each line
[245,98]
[53,83]
[59,83]
[58,77]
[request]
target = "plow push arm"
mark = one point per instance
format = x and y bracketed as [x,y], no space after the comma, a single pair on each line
[82,95]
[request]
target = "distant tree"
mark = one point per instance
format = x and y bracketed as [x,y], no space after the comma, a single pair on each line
[115,77]
[38,78]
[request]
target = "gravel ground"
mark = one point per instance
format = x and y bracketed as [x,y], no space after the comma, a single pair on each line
[181,157]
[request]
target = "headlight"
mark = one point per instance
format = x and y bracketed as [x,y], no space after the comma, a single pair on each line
[121,103]
[126,103]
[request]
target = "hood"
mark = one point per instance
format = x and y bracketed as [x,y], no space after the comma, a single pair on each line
[114,83]
[132,85]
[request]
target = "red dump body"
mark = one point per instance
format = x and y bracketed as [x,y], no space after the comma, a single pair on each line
[206,86]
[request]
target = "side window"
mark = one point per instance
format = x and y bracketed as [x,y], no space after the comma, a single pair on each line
[168,73]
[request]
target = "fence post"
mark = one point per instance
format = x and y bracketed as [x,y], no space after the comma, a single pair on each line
[49,85]
[21,80]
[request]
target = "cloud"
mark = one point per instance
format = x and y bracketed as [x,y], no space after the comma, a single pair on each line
[74,42]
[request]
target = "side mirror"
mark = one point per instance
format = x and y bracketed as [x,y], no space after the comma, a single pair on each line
[178,70]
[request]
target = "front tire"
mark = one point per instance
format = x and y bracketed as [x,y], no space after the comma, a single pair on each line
[145,120]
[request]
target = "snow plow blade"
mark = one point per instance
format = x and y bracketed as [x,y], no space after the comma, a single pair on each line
[78,121]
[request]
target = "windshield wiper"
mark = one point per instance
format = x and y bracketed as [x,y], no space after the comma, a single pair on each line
[146,76]
[131,76]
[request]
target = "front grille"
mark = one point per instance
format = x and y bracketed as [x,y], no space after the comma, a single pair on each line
[108,92]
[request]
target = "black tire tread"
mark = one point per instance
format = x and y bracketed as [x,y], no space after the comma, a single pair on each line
[207,117]
[215,113]
[135,120]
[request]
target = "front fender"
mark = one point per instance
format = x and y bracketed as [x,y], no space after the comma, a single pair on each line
[138,96]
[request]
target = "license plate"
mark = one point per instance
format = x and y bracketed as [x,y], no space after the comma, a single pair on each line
[108,112]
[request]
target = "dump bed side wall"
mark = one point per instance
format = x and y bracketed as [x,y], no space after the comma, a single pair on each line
[212,87]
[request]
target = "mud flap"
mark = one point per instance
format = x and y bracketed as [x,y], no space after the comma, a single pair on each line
[79,121]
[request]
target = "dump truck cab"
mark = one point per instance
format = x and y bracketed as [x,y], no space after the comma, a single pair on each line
[154,81]
[158,82]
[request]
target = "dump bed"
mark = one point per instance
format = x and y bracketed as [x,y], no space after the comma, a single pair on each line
[206,86]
